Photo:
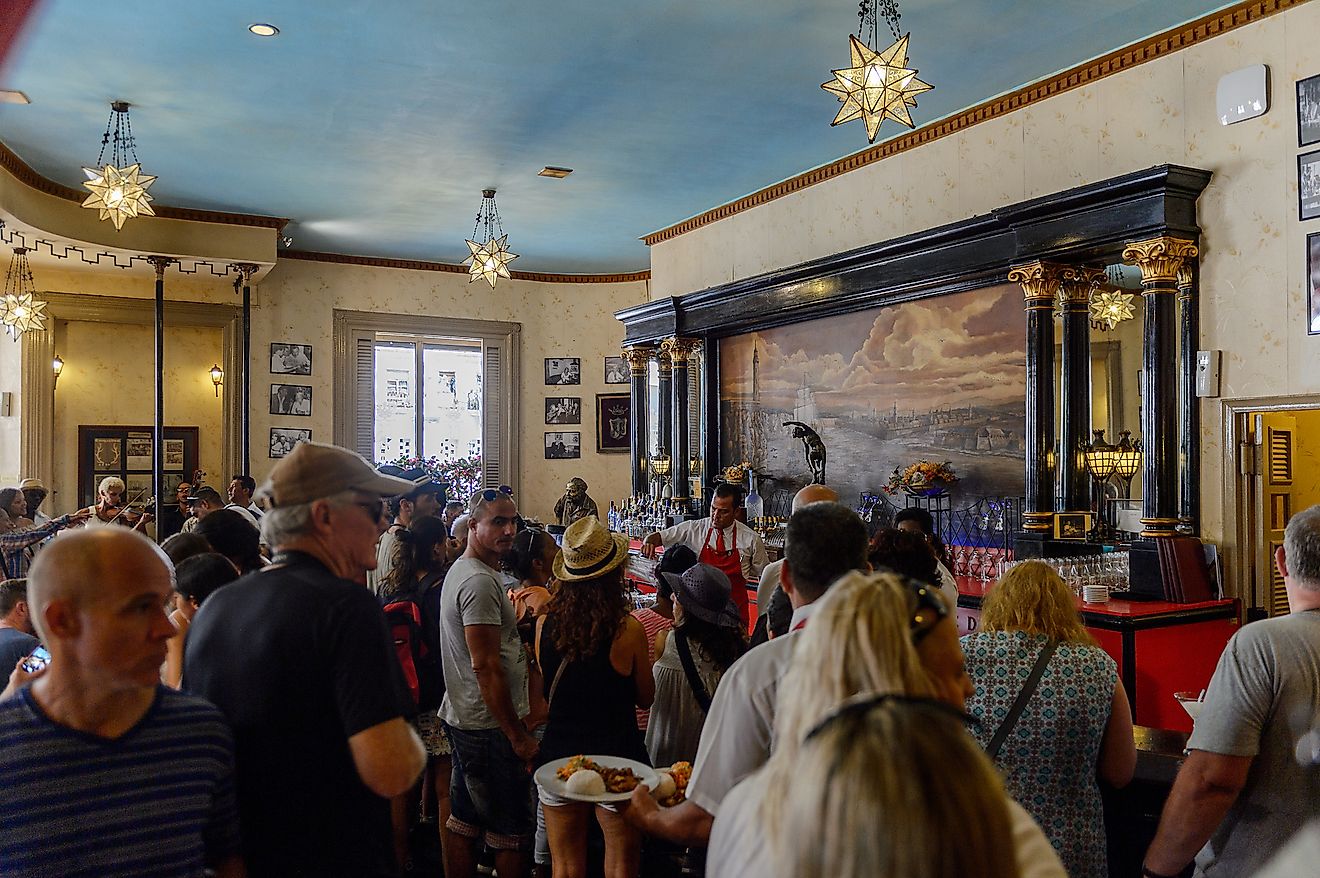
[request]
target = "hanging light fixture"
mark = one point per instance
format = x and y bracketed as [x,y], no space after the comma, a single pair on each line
[878,85]
[20,310]
[118,187]
[490,254]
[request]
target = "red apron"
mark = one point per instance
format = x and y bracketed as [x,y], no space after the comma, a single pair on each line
[730,564]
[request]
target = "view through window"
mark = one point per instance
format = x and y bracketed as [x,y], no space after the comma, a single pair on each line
[427,398]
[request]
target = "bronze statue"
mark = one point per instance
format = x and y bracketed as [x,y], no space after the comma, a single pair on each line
[575,503]
[812,447]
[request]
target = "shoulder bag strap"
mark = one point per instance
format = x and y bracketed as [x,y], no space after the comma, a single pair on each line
[1028,689]
[690,670]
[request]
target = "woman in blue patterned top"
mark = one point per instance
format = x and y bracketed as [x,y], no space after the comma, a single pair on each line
[1075,729]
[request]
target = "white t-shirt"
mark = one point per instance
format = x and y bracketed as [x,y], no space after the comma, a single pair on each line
[766,588]
[696,534]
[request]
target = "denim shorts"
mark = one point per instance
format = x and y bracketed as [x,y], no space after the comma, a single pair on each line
[490,790]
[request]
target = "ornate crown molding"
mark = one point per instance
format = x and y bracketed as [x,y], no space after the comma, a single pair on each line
[424,265]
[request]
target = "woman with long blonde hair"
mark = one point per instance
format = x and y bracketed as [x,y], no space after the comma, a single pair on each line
[1075,728]
[873,635]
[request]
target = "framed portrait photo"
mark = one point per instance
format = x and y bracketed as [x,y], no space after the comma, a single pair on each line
[1313,283]
[290,359]
[283,439]
[563,446]
[563,370]
[291,399]
[1071,525]
[1308,185]
[613,423]
[1308,111]
[563,410]
[616,370]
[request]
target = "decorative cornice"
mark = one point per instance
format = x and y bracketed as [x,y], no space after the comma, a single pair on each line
[1170,41]
[1160,260]
[26,174]
[423,265]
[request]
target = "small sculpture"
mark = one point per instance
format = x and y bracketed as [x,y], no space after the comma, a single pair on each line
[575,503]
[812,447]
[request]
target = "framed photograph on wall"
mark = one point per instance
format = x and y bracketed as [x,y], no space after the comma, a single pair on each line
[563,446]
[563,370]
[174,454]
[1308,111]
[613,423]
[616,370]
[282,440]
[1313,283]
[290,399]
[563,410]
[290,359]
[1308,185]
[1071,525]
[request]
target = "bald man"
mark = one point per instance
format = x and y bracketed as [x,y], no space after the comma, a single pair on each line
[146,786]
[770,575]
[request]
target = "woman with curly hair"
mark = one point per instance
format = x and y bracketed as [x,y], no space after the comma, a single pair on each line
[593,655]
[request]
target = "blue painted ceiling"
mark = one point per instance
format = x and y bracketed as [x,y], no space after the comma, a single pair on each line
[375,125]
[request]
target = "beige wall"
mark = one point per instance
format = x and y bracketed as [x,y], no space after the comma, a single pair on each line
[298,299]
[1254,262]
[11,373]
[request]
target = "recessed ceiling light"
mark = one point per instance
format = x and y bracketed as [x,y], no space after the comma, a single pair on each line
[262,29]
[13,97]
[558,173]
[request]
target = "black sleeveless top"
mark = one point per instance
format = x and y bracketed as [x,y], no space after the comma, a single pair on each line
[594,708]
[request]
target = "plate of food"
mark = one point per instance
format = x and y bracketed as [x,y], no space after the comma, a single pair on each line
[599,779]
[673,782]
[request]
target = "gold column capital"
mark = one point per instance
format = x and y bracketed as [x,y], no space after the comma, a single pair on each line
[160,263]
[680,350]
[1077,284]
[1186,280]
[1039,281]
[638,357]
[1160,258]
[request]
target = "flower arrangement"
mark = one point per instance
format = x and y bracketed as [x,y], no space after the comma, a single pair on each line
[737,474]
[922,477]
[463,475]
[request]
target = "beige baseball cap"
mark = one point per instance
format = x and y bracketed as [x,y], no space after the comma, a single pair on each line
[312,471]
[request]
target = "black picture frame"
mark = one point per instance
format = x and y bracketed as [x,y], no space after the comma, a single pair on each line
[1308,185]
[283,440]
[563,410]
[1071,525]
[617,370]
[563,445]
[613,423]
[291,399]
[1308,111]
[1313,283]
[287,358]
[563,371]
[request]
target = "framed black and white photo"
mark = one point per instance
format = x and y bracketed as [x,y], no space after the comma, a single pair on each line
[1308,111]
[174,454]
[283,439]
[1308,185]
[1071,525]
[563,446]
[1313,283]
[290,359]
[616,370]
[563,370]
[563,410]
[290,399]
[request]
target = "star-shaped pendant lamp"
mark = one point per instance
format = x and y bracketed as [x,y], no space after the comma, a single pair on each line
[118,187]
[1110,308]
[878,85]
[490,254]
[20,310]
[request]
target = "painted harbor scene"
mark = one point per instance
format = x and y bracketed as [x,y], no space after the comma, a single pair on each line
[940,379]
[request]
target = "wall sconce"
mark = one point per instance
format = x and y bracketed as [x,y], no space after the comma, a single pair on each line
[56,367]
[217,378]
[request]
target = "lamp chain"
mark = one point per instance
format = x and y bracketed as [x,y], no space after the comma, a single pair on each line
[868,27]
[119,137]
[489,215]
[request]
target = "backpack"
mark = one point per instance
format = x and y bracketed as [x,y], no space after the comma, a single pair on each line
[417,653]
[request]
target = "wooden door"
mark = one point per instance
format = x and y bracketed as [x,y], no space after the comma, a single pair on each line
[1275,437]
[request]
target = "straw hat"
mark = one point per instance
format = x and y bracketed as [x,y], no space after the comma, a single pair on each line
[589,550]
[705,592]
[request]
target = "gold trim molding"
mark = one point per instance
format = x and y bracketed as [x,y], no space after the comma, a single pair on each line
[423,265]
[1213,25]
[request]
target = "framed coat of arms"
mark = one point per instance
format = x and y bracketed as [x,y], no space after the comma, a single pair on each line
[613,423]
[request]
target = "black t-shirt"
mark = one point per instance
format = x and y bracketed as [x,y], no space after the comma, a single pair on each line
[299,661]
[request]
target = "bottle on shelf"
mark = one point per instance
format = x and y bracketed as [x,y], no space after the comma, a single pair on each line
[755,505]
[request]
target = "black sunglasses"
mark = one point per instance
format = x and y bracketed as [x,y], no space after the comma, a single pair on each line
[489,495]
[374,508]
[855,709]
[930,610]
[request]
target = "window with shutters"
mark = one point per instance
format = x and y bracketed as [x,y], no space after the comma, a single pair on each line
[408,386]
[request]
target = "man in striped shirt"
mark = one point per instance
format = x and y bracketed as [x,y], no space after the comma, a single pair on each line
[103,771]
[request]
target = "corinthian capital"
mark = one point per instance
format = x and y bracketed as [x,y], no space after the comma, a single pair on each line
[1077,283]
[1160,258]
[638,357]
[680,349]
[1040,282]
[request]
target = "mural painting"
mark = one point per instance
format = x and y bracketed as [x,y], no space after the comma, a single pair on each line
[941,379]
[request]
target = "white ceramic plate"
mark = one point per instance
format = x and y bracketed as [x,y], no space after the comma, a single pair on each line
[547,778]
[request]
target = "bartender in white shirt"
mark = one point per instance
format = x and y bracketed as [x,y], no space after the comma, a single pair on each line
[721,541]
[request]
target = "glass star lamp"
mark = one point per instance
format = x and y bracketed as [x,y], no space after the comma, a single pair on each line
[1111,308]
[877,85]
[118,187]
[489,245]
[20,310]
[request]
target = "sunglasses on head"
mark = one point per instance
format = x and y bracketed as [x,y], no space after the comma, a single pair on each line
[928,613]
[489,495]
[858,707]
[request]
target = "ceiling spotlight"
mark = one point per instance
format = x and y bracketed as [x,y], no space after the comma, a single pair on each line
[552,171]
[262,29]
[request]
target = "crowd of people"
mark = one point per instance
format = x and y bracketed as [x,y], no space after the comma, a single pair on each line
[292,687]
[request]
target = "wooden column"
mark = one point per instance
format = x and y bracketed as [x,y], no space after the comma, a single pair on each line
[680,351]
[1189,412]
[1075,286]
[638,359]
[1159,260]
[1040,287]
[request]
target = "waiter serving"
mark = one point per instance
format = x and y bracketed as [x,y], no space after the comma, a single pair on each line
[721,541]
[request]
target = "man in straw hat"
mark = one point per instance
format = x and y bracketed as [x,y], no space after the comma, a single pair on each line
[486,699]
[300,660]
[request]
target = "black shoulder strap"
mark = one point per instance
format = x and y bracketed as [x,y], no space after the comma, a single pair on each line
[690,669]
[1028,689]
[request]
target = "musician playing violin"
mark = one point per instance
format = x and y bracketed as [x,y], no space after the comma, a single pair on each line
[111,508]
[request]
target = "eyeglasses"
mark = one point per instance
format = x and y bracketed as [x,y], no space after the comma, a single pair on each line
[856,708]
[489,495]
[374,508]
[928,613]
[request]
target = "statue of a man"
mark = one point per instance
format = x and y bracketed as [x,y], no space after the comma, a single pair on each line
[575,503]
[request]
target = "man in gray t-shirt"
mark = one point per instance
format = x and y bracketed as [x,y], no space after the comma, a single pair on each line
[474,594]
[1241,793]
